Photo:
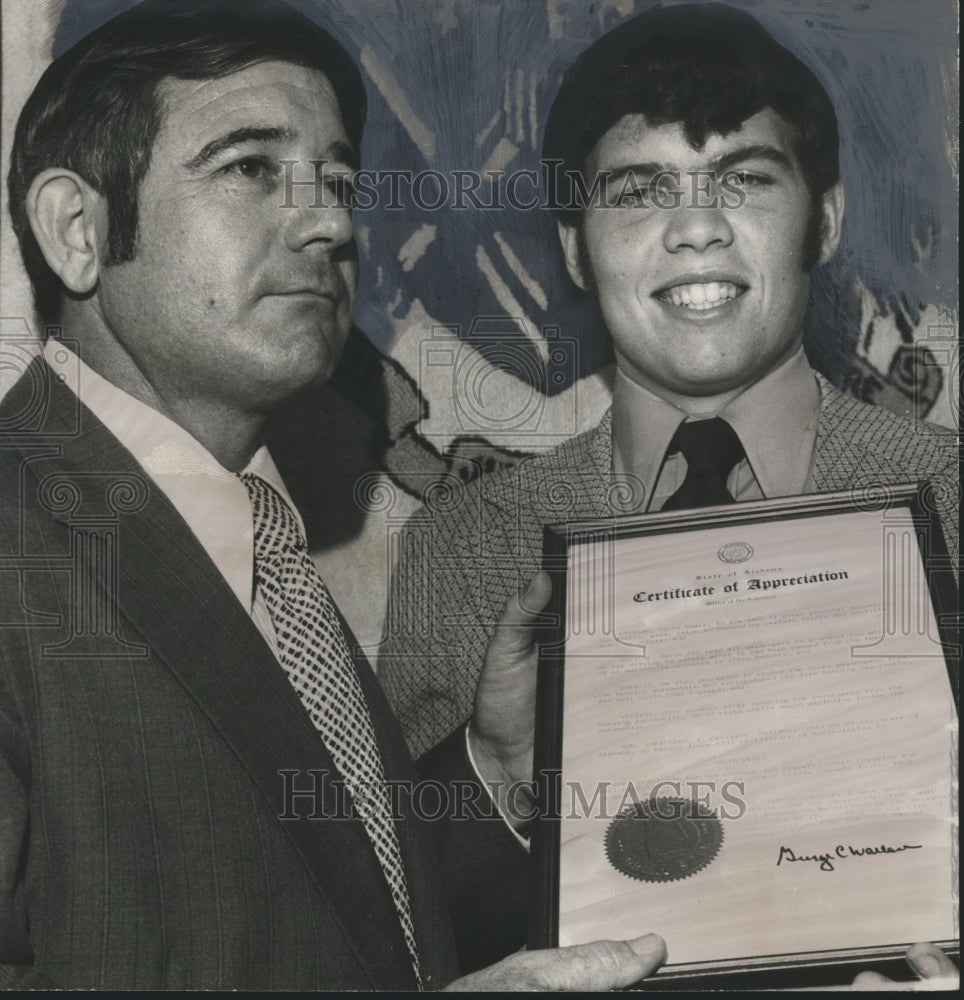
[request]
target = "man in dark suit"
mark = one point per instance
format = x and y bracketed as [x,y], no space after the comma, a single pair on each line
[197,784]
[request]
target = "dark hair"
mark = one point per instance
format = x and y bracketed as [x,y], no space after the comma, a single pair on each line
[96,109]
[707,66]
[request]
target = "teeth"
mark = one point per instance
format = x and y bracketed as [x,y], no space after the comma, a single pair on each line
[701,296]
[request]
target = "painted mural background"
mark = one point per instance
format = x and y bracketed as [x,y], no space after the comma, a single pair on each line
[472,347]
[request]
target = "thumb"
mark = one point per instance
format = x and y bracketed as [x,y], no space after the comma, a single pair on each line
[501,731]
[600,965]
[929,962]
[516,631]
[606,965]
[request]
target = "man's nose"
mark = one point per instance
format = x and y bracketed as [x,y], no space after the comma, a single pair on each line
[318,210]
[697,224]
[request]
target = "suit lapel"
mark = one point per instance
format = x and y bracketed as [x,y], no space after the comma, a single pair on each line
[603,497]
[425,885]
[834,463]
[180,606]
[588,465]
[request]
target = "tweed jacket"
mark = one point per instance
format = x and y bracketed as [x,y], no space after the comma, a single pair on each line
[149,746]
[462,559]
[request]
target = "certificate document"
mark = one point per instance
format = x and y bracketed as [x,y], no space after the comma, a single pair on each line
[755,734]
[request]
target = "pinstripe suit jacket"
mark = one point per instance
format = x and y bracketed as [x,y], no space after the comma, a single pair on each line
[460,563]
[141,751]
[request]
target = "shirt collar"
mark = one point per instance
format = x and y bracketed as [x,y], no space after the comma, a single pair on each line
[643,425]
[211,499]
[775,418]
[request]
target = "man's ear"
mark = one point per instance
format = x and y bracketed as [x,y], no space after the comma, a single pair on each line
[831,221]
[68,217]
[571,240]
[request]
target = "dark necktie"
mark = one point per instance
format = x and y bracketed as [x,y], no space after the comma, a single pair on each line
[711,449]
[315,655]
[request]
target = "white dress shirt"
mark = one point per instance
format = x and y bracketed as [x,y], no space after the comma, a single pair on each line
[776,420]
[211,499]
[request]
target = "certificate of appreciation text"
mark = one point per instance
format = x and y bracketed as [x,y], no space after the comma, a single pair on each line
[758,739]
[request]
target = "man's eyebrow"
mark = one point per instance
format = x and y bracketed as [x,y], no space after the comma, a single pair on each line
[758,151]
[236,137]
[343,153]
[642,169]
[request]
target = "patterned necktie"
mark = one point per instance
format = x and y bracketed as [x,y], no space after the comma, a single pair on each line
[315,655]
[711,449]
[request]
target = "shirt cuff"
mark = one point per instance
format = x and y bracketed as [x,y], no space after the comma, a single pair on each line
[522,838]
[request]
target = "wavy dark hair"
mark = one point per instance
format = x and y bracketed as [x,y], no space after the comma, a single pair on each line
[709,67]
[96,109]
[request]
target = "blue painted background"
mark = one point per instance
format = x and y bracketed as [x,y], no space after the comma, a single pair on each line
[479,72]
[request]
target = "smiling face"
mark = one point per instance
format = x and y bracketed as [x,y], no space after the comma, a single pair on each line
[698,256]
[241,288]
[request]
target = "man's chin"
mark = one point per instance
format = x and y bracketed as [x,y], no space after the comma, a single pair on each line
[700,393]
[293,393]
[697,382]
[726,377]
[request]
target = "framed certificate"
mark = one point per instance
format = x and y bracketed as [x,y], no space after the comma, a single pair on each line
[747,737]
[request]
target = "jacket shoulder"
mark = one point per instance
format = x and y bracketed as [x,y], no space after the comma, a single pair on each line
[890,442]
[549,480]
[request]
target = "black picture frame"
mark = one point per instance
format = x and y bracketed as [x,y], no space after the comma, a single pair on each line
[817,969]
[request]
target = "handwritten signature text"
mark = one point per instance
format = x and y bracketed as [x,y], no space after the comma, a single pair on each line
[840,853]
